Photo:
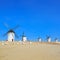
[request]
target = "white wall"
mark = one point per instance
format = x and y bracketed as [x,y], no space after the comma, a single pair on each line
[11,36]
[49,39]
[24,39]
[56,40]
[40,40]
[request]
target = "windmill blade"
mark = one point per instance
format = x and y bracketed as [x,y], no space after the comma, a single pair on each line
[15,27]
[5,34]
[48,36]
[6,25]
[56,38]
[16,35]
[23,34]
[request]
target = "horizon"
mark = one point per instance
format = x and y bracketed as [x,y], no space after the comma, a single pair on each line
[35,18]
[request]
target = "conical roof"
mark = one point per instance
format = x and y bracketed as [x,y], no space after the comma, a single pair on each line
[11,31]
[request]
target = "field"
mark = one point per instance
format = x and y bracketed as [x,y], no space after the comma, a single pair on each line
[29,51]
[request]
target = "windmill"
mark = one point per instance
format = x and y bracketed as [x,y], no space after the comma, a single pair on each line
[24,38]
[39,39]
[48,38]
[56,40]
[11,34]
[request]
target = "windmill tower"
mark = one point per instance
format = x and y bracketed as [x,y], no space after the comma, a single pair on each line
[39,39]
[24,38]
[11,34]
[56,40]
[48,38]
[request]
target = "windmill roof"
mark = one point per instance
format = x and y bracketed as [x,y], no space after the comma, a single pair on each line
[11,31]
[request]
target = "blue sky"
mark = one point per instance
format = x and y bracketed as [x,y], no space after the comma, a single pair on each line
[35,18]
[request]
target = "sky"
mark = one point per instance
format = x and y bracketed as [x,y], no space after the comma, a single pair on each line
[36,18]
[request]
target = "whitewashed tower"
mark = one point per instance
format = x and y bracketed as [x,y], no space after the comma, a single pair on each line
[49,39]
[56,40]
[39,39]
[11,35]
[24,38]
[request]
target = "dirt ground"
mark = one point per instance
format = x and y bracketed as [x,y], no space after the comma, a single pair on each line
[29,51]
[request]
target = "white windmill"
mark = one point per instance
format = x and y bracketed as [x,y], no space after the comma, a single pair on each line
[11,34]
[39,39]
[24,38]
[48,38]
[56,40]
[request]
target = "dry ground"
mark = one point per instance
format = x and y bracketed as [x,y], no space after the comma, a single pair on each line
[33,51]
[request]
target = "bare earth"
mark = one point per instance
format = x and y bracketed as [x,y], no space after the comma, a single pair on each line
[29,51]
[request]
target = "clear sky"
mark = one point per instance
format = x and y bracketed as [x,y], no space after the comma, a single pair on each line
[35,18]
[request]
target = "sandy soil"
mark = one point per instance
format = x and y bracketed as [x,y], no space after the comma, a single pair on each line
[27,51]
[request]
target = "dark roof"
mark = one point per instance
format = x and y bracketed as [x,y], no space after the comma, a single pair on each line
[11,31]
